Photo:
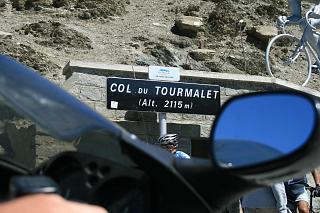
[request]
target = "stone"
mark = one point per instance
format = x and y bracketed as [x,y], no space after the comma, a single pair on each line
[202,54]
[85,15]
[187,26]
[263,33]
[158,25]
[5,35]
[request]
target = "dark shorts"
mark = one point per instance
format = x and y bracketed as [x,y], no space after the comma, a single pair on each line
[297,192]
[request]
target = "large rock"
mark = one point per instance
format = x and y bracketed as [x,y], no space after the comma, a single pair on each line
[263,33]
[187,26]
[202,54]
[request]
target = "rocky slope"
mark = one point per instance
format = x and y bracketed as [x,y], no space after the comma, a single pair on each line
[48,33]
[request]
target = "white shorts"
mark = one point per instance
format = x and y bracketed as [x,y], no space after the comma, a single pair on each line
[296,193]
[303,196]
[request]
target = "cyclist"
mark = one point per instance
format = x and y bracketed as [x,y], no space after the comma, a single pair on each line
[297,194]
[312,38]
[170,142]
[295,9]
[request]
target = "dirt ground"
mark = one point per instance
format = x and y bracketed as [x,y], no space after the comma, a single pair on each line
[49,33]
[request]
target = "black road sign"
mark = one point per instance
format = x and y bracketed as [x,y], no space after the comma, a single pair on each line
[160,96]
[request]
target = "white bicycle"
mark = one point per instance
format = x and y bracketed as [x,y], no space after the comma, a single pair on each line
[288,57]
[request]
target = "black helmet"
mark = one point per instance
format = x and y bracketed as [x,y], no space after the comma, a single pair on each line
[169,139]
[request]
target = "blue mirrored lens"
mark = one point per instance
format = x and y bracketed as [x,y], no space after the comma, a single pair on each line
[262,128]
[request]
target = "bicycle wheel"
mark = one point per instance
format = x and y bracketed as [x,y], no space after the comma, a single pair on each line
[287,60]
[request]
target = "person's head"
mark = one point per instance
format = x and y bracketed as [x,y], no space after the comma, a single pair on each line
[169,142]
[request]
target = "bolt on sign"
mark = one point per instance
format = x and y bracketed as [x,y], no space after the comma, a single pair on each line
[161,96]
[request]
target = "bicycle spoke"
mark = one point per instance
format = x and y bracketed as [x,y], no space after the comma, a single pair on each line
[287,60]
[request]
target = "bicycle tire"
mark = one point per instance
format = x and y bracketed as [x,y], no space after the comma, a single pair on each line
[279,50]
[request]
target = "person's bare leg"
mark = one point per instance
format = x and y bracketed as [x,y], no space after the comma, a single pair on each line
[303,207]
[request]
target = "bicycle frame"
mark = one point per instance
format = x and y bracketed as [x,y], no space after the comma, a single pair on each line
[300,45]
[299,49]
[295,54]
[303,41]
